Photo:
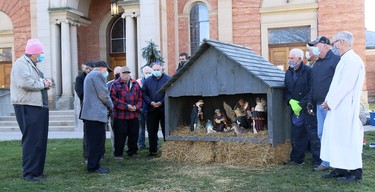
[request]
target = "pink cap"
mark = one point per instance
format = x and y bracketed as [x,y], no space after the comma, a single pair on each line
[34,46]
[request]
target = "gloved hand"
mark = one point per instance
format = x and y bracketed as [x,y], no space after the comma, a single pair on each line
[295,106]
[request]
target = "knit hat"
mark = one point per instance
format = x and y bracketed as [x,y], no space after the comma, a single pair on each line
[34,46]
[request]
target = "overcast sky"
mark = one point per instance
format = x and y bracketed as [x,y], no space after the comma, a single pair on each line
[370,15]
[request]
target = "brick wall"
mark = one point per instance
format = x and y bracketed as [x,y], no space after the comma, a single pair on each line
[171,38]
[335,16]
[19,13]
[88,37]
[246,24]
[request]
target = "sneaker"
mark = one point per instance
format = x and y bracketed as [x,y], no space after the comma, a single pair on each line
[332,174]
[118,158]
[101,170]
[372,145]
[32,178]
[321,168]
[292,163]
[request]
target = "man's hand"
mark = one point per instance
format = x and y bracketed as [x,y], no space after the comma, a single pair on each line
[47,83]
[325,106]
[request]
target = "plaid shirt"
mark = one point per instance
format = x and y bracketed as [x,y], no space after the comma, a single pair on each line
[122,95]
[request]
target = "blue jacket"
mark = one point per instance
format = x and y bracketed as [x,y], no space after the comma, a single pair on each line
[321,76]
[299,88]
[150,90]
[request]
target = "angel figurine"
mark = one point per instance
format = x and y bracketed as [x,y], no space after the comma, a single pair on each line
[196,116]
[259,114]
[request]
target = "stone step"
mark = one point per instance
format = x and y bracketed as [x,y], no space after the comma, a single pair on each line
[51,123]
[51,118]
[63,120]
[54,113]
[50,128]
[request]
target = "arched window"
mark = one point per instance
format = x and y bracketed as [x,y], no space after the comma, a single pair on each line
[199,25]
[118,36]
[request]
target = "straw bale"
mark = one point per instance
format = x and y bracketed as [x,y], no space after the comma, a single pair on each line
[233,153]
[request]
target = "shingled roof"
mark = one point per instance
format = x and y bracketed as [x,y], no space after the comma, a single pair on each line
[243,56]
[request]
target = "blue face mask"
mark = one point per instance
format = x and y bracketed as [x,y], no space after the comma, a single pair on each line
[40,58]
[147,76]
[315,51]
[292,64]
[157,74]
[335,50]
[307,55]
[105,75]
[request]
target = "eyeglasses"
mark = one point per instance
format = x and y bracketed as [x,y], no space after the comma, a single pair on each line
[333,43]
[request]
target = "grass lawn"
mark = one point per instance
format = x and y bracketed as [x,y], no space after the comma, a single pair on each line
[66,172]
[371,106]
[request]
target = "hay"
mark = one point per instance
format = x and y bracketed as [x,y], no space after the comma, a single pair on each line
[233,153]
[185,131]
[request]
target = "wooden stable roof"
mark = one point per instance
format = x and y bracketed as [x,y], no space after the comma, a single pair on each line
[246,58]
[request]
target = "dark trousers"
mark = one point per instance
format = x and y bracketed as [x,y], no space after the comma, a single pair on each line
[122,129]
[153,119]
[300,138]
[33,122]
[94,131]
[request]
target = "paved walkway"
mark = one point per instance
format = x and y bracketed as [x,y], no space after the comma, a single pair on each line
[16,135]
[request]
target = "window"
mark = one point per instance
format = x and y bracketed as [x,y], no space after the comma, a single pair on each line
[289,35]
[118,36]
[5,54]
[199,25]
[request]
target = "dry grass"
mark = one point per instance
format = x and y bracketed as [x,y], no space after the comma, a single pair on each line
[185,131]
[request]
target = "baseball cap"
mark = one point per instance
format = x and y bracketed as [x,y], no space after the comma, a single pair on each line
[103,64]
[320,39]
[125,69]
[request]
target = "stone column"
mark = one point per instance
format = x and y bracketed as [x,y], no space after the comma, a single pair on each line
[65,102]
[66,59]
[55,60]
[130,44]
[74,51]
[139,63]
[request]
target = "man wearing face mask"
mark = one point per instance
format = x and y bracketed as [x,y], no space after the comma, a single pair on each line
[321,77]
[342,139]
[155,105]
[126,96]
[147,72]
[303,130]
[96,104]
[311,55]
[28,91]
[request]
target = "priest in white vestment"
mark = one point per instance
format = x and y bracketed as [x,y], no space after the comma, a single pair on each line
[342,139]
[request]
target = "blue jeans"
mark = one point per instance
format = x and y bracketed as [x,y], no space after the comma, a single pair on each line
[142,127]
[321,116]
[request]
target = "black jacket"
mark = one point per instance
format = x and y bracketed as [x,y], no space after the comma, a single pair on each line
[321,77]
[79,85]
[298,89]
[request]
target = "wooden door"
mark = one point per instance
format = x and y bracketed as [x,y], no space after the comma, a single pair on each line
[5,69]
[117,60]
[279,54]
